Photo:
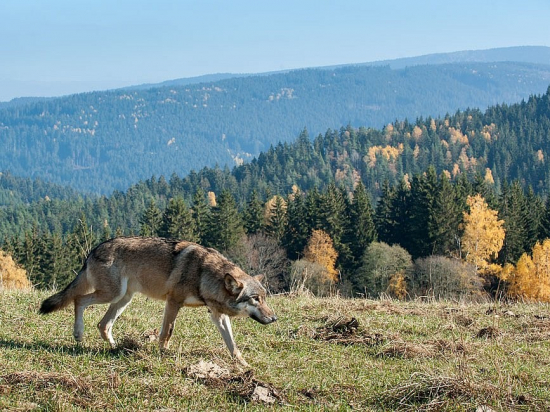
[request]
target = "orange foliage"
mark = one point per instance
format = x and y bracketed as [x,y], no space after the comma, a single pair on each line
[397,287]
[483,233]
[11,275]
[389,153]
[212,199]
[530,279]
[320,250]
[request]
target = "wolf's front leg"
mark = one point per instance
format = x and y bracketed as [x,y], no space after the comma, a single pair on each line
[223,324]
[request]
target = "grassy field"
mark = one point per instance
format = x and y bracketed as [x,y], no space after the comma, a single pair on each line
[322,354]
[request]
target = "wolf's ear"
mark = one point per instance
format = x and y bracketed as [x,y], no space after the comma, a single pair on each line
[259,278]
[232,285]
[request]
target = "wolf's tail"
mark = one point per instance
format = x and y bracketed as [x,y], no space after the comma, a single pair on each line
[62,299]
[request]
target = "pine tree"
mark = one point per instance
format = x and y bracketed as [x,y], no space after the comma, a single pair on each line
[276,218]
[254,214]
[361,231]
[334,214]
[399,216]
[225,228]
[383,215]
[150,220]
[445,218]
[297,230]
[201,213]
[177,222]
[513,210]
[421,236]
[534,212]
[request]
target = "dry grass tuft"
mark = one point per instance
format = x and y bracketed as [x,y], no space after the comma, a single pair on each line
[489,332]
[425,392]
[407,350]
[342,330]
[45,380]
[429,393]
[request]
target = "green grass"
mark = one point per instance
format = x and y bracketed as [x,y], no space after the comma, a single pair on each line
[401,356]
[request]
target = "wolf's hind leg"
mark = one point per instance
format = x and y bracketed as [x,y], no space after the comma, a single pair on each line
[82,302]
[115,310]
[170,312]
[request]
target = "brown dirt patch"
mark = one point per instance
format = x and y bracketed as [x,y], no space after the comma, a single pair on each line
[344,330]
[489,332]
[243,385]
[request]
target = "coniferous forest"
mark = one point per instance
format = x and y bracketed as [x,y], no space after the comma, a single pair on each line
[101,141]
[358,211]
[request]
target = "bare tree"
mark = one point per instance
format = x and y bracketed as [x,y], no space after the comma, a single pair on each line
[263,255]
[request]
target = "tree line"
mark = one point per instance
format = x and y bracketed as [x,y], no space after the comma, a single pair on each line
[412,242]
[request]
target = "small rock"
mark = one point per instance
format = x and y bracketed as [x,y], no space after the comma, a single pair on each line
[263,394]
[207,370]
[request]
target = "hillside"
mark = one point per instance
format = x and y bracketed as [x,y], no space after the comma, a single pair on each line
[438,356]
[101,141]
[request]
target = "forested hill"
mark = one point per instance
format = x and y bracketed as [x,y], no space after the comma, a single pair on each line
[503,144]
[102,141]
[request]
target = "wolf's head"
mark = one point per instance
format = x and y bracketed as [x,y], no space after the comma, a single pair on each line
[249,297]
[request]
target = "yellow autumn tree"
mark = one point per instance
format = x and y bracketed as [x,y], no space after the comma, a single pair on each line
[212,199]
[530,279]
[483,233]
[11,275]
[320,250]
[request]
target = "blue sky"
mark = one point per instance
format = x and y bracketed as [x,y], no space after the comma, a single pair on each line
[55,47]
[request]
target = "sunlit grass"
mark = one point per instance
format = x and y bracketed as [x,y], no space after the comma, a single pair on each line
[401,356]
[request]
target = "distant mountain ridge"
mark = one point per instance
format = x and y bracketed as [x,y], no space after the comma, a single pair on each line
[102,141]
[524,54]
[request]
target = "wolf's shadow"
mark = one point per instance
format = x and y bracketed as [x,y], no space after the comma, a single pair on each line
[76,349]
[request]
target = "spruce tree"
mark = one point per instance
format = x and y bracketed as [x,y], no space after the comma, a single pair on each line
[201,215]
[361,231]
[253,216]
[533,219]
[383,214]
[225,229]
[276,223]
[150,220]
[445,218]
[420,238]
[512,210]
[177,221]
[297,230]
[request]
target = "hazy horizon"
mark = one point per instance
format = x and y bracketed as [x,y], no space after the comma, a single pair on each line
[63,47]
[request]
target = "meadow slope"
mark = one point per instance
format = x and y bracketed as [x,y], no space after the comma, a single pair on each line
[322,354]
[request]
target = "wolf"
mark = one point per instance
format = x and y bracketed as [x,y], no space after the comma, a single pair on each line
[179,272]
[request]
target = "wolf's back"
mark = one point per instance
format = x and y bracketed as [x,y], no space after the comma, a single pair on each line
[64,298]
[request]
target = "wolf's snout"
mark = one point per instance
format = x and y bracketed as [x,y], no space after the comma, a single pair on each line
[270,319]
[264,320]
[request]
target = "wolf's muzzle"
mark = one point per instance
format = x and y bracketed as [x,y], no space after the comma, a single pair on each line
[264,320]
